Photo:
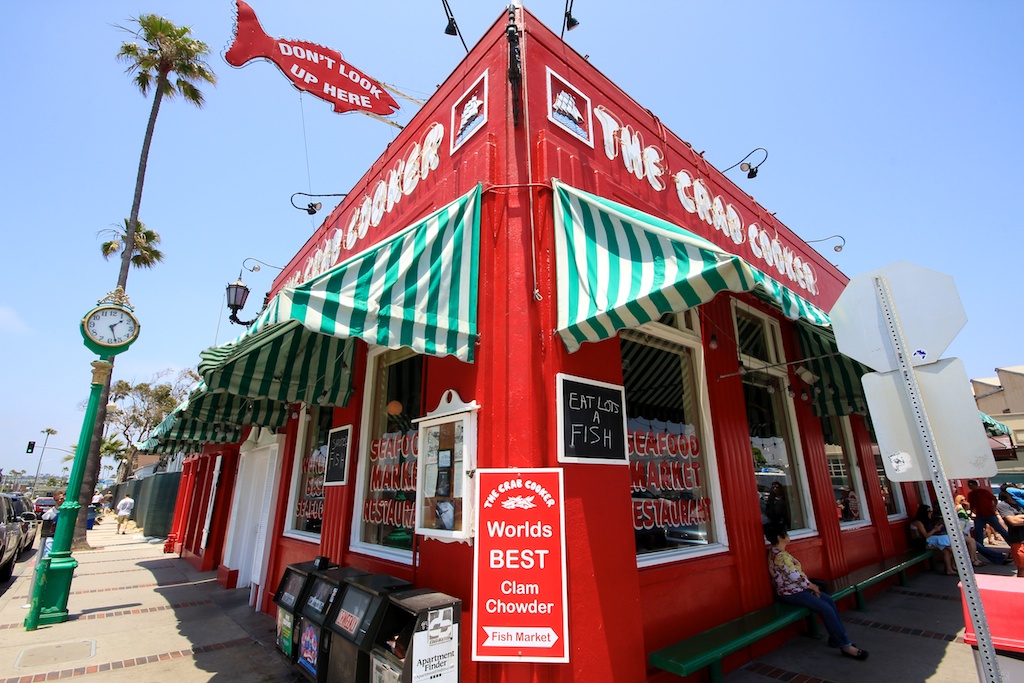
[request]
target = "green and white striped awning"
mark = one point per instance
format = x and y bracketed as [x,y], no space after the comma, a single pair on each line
[416,289]
[994,427]
[838,390]
[215,415]
[620,268]
[172,446]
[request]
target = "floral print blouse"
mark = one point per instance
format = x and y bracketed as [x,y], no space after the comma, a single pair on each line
[785,571]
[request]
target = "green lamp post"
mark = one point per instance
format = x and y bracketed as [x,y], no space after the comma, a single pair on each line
[108,329]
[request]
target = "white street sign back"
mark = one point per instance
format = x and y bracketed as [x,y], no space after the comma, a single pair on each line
[956,426]
[930,313]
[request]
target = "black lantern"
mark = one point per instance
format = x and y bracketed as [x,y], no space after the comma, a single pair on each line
[237,293]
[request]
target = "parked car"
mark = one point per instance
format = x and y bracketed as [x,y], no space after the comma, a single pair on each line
[10,538]
[25,511]
[43,504]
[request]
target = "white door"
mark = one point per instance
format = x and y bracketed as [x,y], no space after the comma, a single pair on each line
[251,511]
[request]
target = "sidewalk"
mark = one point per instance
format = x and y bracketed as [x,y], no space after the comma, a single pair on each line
[137,614]
[914,635]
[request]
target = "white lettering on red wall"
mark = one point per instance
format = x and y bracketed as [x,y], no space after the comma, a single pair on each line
[398,182]
[645,161]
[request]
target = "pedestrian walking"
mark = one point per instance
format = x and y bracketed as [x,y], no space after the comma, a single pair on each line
[124,511]
[983,504]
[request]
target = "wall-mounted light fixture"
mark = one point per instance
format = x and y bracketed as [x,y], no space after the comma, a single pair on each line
[312,207]
[238,292]
[838,247]
[452,29]
[255,267]
[747,167]
[569,22]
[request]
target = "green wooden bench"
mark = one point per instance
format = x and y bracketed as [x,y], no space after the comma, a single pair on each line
[856,581]
[707,648]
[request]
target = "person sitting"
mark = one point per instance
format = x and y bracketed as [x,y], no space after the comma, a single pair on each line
[793,587]
[935,537]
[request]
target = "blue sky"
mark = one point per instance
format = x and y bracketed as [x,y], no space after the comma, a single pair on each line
[896,125]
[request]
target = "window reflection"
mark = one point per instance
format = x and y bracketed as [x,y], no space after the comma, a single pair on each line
[846,487]
[776,472]
[671,503]
[389,493]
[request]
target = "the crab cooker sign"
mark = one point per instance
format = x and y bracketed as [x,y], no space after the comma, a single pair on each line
[620,141]
[647,162]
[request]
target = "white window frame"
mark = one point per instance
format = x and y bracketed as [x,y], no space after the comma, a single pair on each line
[777,356]
[691,339]
[895,490]
[296,479]
[356,544]
[850,451]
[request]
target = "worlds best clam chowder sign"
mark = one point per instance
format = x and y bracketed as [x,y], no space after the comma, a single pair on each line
[520,610]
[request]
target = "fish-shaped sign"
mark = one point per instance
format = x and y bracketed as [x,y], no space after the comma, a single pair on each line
[310,67]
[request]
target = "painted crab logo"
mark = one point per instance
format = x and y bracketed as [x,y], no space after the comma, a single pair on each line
[518,503]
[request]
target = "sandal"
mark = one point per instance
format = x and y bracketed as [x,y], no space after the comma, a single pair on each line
[978,563]
[860,656]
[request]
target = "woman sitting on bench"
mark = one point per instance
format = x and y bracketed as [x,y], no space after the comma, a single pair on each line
[793,586]
[934,535]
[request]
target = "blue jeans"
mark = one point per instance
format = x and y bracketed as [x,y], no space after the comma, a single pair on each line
[979,536]
[825,608]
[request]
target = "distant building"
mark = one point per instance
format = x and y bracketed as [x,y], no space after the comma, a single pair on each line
[1002,398]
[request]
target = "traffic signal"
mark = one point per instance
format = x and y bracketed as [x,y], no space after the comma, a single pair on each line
[31,447]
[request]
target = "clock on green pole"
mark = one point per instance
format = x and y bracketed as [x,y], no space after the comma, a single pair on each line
[108,329]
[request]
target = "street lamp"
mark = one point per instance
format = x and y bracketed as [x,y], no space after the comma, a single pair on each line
[49,431]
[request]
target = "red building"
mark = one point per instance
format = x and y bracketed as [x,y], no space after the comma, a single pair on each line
[533,226]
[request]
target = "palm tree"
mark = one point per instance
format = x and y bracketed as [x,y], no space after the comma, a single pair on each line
[170,62]
[166,50]
[146,254]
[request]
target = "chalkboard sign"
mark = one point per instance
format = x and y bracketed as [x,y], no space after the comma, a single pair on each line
[338,445]
[591,421]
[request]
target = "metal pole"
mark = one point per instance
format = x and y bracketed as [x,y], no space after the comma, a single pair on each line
[35,484]
[53,582]
[988,667]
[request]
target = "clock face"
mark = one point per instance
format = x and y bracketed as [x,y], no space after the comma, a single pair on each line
[111,326]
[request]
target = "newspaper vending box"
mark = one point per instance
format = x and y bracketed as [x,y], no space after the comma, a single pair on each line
[354,620]
[418,639]
[289,598]
[314,642]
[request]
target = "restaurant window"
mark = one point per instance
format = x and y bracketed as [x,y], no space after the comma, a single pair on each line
[670,483]
[767,397]
[847,488]
[386,482]
[306,508]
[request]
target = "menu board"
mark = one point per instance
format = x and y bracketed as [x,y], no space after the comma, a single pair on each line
[338,446]
[591,421]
